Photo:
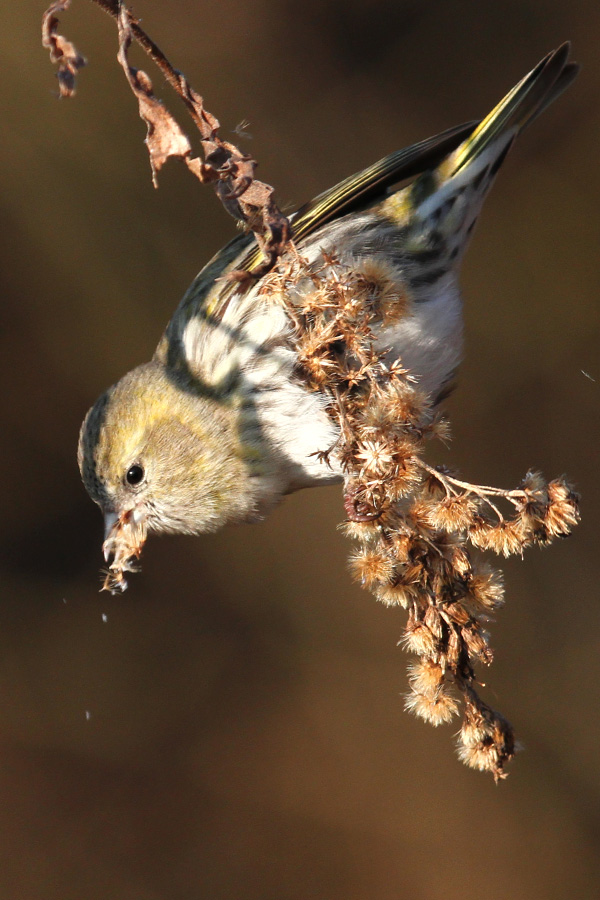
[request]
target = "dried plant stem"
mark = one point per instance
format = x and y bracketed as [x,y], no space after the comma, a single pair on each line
[482,490]
[175,78]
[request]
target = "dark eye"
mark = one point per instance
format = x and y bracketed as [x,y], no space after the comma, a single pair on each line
[135,475]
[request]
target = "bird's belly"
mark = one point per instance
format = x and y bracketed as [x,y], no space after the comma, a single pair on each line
[429,339]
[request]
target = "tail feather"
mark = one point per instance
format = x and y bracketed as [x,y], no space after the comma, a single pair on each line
[566,77]
[446,201]
[518,108]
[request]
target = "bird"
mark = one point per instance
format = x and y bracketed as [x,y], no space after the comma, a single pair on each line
[217,427]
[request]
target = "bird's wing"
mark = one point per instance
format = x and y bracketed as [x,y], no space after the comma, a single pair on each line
[209,296]
[358,190]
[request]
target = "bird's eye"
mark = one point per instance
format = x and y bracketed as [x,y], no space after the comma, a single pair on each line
[135,475]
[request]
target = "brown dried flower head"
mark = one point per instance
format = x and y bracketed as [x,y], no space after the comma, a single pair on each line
[414,523]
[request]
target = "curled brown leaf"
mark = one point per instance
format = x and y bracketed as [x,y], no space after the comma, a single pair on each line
[62,51]
[165,138]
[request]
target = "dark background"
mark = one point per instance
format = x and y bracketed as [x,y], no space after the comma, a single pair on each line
[233,726]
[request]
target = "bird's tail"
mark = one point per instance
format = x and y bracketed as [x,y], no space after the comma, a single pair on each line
[449,197]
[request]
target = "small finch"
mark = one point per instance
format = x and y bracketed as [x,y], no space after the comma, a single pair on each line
[220,424]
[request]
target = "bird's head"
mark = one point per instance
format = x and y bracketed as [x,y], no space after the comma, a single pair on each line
[156,455]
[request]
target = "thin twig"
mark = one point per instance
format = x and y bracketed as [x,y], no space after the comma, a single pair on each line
[175,78]
[482,490]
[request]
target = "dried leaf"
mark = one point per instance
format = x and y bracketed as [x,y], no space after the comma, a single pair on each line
[62,51]
[165,138]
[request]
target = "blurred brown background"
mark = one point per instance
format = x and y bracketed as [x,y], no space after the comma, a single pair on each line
[233,726]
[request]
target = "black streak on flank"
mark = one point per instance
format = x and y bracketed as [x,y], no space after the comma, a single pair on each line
[427,278]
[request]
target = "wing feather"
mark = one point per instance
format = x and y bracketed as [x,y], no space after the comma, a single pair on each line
[243,254]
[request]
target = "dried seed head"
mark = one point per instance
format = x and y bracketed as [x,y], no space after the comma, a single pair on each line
[419,639]
[440,428]
[454,513]
[402,545]
[406,404]
[426,677]
[405,480]
[456,613]
[486,740]
[433,620]
[432,485]
[377,283]
[377,417]
[534,482]
[397,594]
[476,641]
[435,709]
[563,508]
[374,457]
[318,340]
[372,566]
[485,589]
[318,301]
[504,537]
[460,560]
[417,517]
[318,372]
[364,532]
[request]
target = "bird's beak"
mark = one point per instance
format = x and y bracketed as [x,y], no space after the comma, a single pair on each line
[110,520]
[124,538]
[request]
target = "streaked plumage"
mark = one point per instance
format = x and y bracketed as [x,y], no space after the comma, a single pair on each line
[218,419]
